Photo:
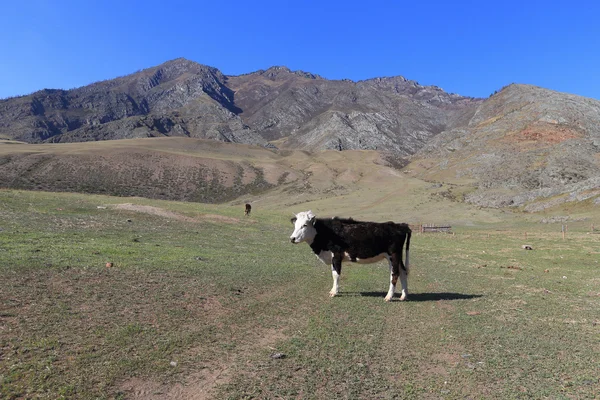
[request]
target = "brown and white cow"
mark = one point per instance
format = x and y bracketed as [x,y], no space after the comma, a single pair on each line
[248,209]
[334,240]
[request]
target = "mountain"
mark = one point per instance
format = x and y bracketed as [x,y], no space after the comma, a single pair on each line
[304,111]
[293,109]
[522,144]
[177,98]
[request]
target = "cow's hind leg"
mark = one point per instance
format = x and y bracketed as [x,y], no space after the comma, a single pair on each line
[403,276]
[397,269]
[393,277]
[404,283]
[404,270]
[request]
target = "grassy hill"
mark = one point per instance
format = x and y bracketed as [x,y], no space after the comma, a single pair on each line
[356,182]
[359,183]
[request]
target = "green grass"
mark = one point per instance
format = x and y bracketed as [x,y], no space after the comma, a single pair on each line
[200,305]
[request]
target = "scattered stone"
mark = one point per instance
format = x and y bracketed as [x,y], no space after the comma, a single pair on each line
[514,267]
[277,356]
[527,247]
[109,265]
[173,363]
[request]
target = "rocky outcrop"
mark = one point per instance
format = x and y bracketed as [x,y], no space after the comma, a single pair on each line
[308,112]
[524,144]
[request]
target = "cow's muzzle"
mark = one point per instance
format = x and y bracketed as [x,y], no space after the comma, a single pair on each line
[293,240]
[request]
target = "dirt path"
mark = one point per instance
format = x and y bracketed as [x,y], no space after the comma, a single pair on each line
[203,384]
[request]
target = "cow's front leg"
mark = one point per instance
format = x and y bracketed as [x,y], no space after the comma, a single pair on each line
[336,271]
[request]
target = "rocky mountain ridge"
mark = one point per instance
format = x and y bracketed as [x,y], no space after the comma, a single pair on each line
[295,109]
[524,146]
[177,98]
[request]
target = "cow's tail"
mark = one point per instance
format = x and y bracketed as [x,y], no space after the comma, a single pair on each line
[406,262]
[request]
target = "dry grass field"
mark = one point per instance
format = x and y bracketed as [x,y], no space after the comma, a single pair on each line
[131,298]
[358,183]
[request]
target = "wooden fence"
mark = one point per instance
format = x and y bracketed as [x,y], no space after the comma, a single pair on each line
[431,228]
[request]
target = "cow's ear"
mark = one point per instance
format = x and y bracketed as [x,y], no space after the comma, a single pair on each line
[293,220]
[313,220]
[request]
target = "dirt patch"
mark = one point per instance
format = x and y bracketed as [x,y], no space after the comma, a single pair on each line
[200,385]
[542,133]
[173,215]
[548,133]
[440,364]
[201,382]
[197,387]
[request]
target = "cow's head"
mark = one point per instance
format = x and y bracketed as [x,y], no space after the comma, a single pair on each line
[304,229]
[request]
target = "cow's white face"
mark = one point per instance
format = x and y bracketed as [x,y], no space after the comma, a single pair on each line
[304,230]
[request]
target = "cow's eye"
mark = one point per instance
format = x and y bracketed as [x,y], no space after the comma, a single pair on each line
[305,225]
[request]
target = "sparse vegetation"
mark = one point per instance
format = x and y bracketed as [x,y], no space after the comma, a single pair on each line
[112,297]
[136,172]
[199,298]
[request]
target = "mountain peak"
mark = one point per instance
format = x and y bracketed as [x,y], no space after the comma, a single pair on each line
[179,61]
[280,71]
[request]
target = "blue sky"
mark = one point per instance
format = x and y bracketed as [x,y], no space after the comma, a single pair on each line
[467,47]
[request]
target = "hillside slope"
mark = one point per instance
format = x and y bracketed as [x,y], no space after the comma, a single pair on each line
[358,183]
[163,168]
[525,146]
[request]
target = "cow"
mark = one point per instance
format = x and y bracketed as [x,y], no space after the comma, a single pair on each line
[334,240]
[248,209]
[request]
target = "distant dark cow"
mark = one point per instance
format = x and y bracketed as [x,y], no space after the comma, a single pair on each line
[248,209]
[334,240]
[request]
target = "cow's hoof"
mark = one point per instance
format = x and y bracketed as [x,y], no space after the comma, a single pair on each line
[332,294]
[403,297]
[388,298]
